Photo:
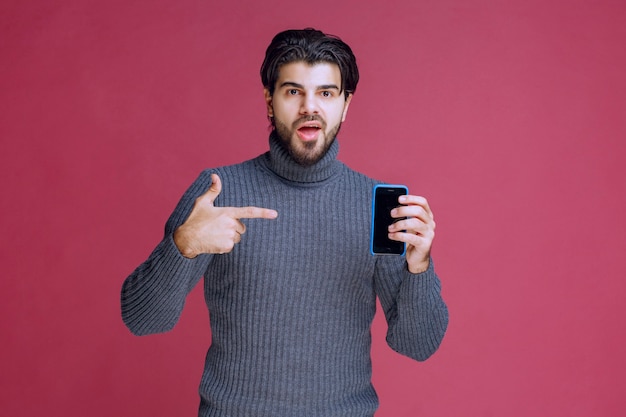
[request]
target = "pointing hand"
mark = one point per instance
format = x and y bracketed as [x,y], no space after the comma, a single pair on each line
[210,229]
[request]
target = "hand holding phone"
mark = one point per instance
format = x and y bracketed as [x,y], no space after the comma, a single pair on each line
[385,199]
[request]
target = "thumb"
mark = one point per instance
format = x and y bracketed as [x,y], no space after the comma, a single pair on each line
[214,190]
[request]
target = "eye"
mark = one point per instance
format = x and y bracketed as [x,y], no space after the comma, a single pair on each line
[327,94]
[292,92]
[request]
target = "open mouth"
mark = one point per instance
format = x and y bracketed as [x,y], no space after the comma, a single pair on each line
[309,131]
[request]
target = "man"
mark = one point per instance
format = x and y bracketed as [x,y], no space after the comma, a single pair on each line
[282,241]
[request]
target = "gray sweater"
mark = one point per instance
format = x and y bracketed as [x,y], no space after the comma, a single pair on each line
[291,306]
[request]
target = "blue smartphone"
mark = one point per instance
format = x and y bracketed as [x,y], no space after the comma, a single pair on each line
[385,199]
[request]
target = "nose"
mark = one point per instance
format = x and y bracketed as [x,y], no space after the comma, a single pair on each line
[309,104]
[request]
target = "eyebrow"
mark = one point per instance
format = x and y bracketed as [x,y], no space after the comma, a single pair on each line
[300,86]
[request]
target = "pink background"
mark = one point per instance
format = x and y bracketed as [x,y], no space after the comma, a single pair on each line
[509,116]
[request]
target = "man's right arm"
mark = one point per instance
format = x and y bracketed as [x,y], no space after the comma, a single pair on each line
[153,296]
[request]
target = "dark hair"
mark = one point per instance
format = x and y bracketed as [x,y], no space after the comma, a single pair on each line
[310,46]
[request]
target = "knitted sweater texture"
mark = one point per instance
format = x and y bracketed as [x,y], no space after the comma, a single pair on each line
[291,306]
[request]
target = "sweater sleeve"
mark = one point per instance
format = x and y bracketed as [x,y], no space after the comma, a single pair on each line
[154,294]
[416,314]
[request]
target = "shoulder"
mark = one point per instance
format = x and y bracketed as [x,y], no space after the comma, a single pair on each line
[236,167]
[204,178]
[359,177]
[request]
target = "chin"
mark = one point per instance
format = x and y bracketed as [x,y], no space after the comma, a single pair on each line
[304,153]
[309,155]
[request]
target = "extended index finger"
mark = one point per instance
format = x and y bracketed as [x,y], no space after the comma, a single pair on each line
[254,213]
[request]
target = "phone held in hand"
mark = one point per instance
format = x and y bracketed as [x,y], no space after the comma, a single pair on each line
[385,199]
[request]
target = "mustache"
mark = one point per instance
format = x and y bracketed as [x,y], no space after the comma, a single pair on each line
[310,118]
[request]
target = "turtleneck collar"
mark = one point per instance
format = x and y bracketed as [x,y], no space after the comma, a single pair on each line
[282,164]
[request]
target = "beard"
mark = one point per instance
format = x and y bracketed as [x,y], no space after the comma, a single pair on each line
[305,153]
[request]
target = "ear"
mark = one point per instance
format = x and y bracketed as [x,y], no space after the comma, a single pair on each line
[345,107]
[268,102]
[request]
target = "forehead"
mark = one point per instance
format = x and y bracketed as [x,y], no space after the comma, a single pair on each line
[309,75]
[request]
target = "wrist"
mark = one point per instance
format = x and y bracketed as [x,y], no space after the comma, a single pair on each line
[182,245]
[420,267]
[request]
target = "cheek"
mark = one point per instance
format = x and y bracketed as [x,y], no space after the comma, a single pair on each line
[337,114]
[282,108]
[343,115]
[344,111]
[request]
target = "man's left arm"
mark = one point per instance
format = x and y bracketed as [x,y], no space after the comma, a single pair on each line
[410,290]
